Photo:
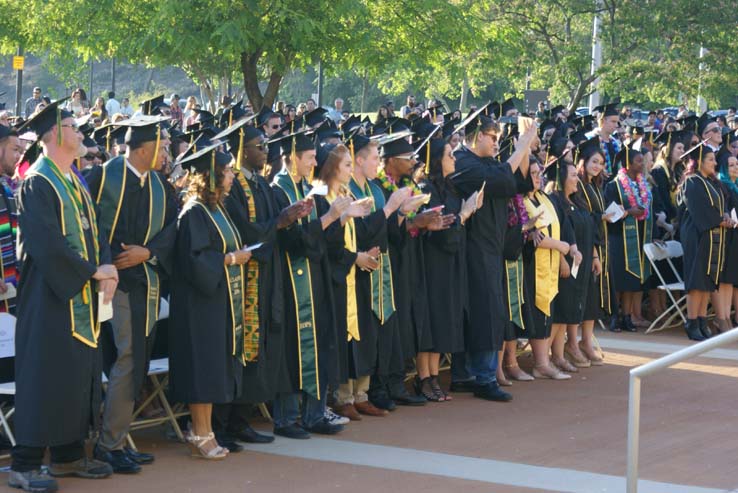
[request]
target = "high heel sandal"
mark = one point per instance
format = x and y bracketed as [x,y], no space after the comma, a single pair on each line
[424,387]
[550,372]
[517,373]
[595,359]
[198,446]
[578,360]
[438,391]
[564,365]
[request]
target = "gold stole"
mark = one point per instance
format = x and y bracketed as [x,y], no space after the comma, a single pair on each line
[547,260]
[352,308]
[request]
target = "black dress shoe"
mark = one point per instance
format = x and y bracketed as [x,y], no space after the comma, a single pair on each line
[324,427]
[118,460]
[403,398]
[628,324]
[229,442]
[615,324]
[384,403]
[464,386]
[250,435]
[492,392]
[704,329]
[692,327]
[139,457]
[292,431]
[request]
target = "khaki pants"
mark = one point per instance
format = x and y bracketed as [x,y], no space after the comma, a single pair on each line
[352,392]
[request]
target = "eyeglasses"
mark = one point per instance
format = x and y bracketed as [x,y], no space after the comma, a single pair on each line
[274,127]
[713,129]
[73,126]
[92,157]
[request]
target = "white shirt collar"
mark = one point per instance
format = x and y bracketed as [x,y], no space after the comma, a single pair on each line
[138,174]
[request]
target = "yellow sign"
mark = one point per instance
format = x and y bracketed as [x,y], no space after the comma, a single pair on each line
[18,62]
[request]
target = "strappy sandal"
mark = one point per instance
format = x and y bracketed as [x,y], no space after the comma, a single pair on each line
[206,447]
[517,373]
[438,391]
[549,371]
[425,388]
[594,358]
[578,360]
[564,365]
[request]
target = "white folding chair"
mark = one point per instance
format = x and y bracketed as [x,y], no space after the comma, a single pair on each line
[671,250]
[7,350]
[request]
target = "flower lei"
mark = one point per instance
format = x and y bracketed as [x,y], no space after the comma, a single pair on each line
[641,199]
[389,184]
[517,213]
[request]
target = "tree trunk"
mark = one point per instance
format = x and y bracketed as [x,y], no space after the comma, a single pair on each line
[464,92]
[364,91]
[147,84]
[275,79]
[250,73]
[579,92]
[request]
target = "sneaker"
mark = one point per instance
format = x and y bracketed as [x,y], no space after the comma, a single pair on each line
[82,468]
[35,480]
[334,418]
[323,427]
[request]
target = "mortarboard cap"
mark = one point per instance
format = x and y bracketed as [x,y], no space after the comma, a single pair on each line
[697,152]
[729,137]
[295,142]
[264,114]
[397,124]
[44,120]
[321,155]
[610,109]
[556,110]
[350,124]
[475,121]
[6,132]
[205,161]
[688,122]
[430,148]
[587,148]
[702,122]
[395,145]
[153,106]
[449,126]
[237,134]
[327,130]
[356,142]
[231,115]
[313,118]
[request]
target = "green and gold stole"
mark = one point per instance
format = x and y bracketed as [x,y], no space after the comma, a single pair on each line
[251,300]
[231,241]
[635,263]
[383,298]
[717,235]
[593,195]
[299,270]
[514,276]
[110,200]
[352,309]
[547,260]
[77,215]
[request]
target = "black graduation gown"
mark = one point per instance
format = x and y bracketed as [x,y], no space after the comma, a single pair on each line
[58,378]
[445,271]
[699,216]
[201,362]
[573,292]
[622,279]
[729,273]
[262,378]
[307,239]
[600,303]
[133,222]
[663,190]
[540,327]
[485,234]
[408,276]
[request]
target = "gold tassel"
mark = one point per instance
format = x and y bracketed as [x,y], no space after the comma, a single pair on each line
[156,151]
[240,150]
[353,154]
[474,141]
[230,117]
[107,140]
[699,161]
[58,127]
[212,171]
[427,159]
[293,159]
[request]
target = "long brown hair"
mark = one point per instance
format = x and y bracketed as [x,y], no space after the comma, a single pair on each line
[199,187]
[329,170]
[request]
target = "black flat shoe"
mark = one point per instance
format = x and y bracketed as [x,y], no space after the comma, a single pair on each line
[404,398]
[615,324]
[704,329]
[292,431]
[384,403]
[139,457]
[118,460]
[250,435]
[492,392]
[692,328]
[464,386]
[324,427]
[228,441]
[628,324]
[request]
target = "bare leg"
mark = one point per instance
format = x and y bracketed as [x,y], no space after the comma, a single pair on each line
[587,343]
[501,378]
[422,365]
[511,362]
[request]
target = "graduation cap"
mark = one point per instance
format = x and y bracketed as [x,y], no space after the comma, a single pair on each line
[587,148]
[327,129]
[231,115]
[153,106]
[697,152]
[350,124]
[108,135]
[578,137]
[263,116]
[321,155]
[397,124]
[313,118]
[688,122]
[142,129]
[204,116]
[584,122]
[44,120]
[626,154]
[636,130]
[475,121]
[449,127]
[435,107]
[507,146]
[610,109]
[545,126]
[6,132]
[356,142]
[666,138]
[237,134]
[395,145]
[702,122]
[556,173]
[295,142]
[205,160]
[430,148]
[729,137]
[500,110]
[556,110]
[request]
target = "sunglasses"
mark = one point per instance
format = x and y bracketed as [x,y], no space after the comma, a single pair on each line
[91,157]
[274,127]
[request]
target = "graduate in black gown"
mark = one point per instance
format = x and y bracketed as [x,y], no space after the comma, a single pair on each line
[703,225]
[138,213]
[311,339]
[371,355]
[207,351]
[722,299]
[252,207]
[408,267]
[626,237]
[64,262]
[590,167]
[568,310]
[445,266]
[485,325]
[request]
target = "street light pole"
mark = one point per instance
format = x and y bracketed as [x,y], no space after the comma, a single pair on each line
[594,98]
[19,87]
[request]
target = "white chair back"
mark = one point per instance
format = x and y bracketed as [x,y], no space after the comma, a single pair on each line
[7,335]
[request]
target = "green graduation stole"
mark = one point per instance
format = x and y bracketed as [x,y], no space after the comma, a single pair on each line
[77,215]
[234,274]
[634,261]
[717,235]
[110,199]
[514,277]
[299,269]
[603,251]
[383,298]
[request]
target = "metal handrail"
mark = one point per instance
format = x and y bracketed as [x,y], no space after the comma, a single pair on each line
[634,400]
